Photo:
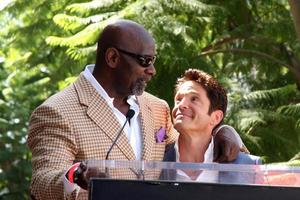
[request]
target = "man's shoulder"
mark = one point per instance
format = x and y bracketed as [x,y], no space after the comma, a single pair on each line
[66,99]
[70,94]
[152,99]
[61,97]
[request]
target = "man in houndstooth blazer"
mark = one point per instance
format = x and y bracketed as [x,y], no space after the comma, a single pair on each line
[78,123]
[82,121]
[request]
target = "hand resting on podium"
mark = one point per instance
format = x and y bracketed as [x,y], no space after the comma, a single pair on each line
[81,174]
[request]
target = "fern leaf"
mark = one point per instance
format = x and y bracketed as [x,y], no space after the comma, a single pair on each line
[87,36]
[80,53]
[272,97]
[176,28]
[290,110]
[66,82]
[68,22]
[72,22]
[295,157]
[297,126]
[92,5]
[250,119]
[190,6]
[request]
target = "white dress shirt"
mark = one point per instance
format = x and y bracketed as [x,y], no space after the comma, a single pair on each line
[210,176]
[132,130]
[206,175]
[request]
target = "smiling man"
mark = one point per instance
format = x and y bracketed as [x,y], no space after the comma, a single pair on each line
[200,107]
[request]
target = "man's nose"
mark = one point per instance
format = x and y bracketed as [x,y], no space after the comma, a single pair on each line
[183,104]
[151,70]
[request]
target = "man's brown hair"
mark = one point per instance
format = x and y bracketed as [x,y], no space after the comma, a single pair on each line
[214,91]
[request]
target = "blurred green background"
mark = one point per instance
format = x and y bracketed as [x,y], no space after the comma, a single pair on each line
[252,47]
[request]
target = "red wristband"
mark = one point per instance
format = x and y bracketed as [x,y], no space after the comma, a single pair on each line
[71,172]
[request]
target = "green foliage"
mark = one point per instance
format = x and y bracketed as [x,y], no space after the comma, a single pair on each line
[291,110]
[266,131]
[232,40]
[29,74]
[99,6]
[273,97]
[269,120]
[247,45]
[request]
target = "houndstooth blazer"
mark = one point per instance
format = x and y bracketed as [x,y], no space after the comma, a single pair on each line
[77,124]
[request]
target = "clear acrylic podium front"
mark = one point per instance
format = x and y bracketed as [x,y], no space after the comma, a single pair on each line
[169,180]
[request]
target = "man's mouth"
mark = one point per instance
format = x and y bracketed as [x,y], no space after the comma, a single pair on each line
[181,115]
[146,80]
[139,86]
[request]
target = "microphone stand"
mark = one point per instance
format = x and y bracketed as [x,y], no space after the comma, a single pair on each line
[129,115]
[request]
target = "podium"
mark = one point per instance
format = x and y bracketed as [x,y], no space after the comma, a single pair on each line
[136,180]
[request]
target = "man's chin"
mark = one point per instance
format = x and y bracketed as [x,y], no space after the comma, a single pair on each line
[179,127]
[138,90]
[178,124]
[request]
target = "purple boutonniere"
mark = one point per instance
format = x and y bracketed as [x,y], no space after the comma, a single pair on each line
[161,135]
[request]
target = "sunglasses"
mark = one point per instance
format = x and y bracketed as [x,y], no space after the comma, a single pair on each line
[143,60]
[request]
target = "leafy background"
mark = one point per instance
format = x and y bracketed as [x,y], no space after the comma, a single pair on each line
[250,46]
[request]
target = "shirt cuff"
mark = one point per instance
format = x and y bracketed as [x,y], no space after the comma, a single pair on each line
[68,186]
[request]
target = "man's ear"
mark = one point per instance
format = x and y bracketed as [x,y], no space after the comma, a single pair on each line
[112,57]
[216,117]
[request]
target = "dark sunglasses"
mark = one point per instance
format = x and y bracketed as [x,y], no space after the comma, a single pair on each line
[143,60]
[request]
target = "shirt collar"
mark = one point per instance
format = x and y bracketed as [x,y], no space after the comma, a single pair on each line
[88,74]
[208,155]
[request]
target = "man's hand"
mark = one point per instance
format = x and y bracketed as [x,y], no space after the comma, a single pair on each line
[226,145]
[83,174]
[80,177]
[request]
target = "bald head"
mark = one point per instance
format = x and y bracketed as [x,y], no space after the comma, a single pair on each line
[125,59]
[124,34]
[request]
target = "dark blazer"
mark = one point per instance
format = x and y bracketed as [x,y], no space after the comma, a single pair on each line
[224,177]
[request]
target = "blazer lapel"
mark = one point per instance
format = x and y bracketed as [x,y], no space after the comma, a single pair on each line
[100,112]
[147,128]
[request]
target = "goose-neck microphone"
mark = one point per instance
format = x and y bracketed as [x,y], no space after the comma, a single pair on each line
[129,115]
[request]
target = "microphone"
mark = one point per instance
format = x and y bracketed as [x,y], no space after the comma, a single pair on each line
[80,178]
[129,115]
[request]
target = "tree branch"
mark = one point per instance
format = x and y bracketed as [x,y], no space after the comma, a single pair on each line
[221,42]
[295,11]
[247,51]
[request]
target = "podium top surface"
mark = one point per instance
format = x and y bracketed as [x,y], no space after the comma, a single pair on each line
[270,175]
